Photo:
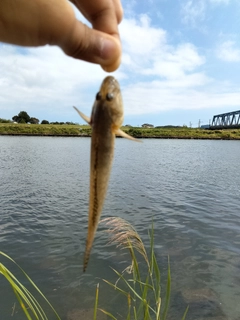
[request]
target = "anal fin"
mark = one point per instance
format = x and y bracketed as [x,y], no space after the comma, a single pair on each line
[123,134]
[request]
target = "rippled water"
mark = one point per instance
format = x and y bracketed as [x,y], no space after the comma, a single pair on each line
[190,188]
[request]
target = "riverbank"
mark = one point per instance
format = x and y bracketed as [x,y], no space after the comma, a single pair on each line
[85,131]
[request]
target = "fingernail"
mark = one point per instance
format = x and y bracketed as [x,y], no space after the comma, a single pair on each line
[112,67]
[108,48]
[111,53]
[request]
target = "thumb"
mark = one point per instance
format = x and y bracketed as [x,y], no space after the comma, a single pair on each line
[93,46]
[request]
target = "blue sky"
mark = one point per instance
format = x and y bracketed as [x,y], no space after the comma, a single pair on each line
[180,64]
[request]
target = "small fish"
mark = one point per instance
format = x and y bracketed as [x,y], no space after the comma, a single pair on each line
[106,120]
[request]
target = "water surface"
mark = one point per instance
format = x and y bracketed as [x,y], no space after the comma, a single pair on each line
[189,188]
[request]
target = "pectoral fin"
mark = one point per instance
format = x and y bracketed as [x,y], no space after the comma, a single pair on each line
[123,134]
[87,119]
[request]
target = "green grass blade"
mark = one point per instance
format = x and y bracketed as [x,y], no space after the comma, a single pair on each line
[135,313]
[146,311]
[131,288]
[25,294]
[96,303]
[127,283]
[152,249]
[116,287]
[22,305]
[168,292]
[157,275]
[17,289]
[135,263]
[185,313]
[158,309]
[144,295]
[108,314]
[129,307]
[34,301]
[144,284]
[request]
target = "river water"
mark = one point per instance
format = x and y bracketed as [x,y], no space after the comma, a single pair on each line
[190,189]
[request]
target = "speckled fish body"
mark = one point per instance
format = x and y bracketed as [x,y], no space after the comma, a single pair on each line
[106,120]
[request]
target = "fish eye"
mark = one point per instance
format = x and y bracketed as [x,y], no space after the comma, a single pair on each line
[98,96]
[109,96]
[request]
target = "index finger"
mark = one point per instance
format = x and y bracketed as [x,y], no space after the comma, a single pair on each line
[104,15]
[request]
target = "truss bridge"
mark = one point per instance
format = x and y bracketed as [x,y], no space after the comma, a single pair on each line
[228,120]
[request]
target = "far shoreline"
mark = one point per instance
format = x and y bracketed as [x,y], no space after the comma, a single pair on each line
[138,137]
[84,131]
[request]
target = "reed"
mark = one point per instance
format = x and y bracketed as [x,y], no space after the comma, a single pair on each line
[142,289]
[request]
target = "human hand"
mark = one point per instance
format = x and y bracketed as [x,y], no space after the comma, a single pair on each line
[53,22]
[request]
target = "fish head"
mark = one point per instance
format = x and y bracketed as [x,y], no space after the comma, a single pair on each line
[110,95]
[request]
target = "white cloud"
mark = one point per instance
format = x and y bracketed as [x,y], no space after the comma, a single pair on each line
[220,1]
[179,81]
[147,52]
[174,62]
[139,37]
[228,51]
[155,76]
[129,7]
[46,79]
[46,70]
[154,97]
[193,11]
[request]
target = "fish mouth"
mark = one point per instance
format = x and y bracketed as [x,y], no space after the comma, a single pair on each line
[110,86]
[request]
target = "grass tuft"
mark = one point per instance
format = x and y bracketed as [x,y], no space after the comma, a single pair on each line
[139,283]
[29,304]
[141,289]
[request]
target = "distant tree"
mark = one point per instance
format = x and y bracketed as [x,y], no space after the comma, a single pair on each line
[70,123]
[34,120]
[5,121]
[45,122]
[169,126]
[22,117]
[15,118]
[22,121]
[147,125]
